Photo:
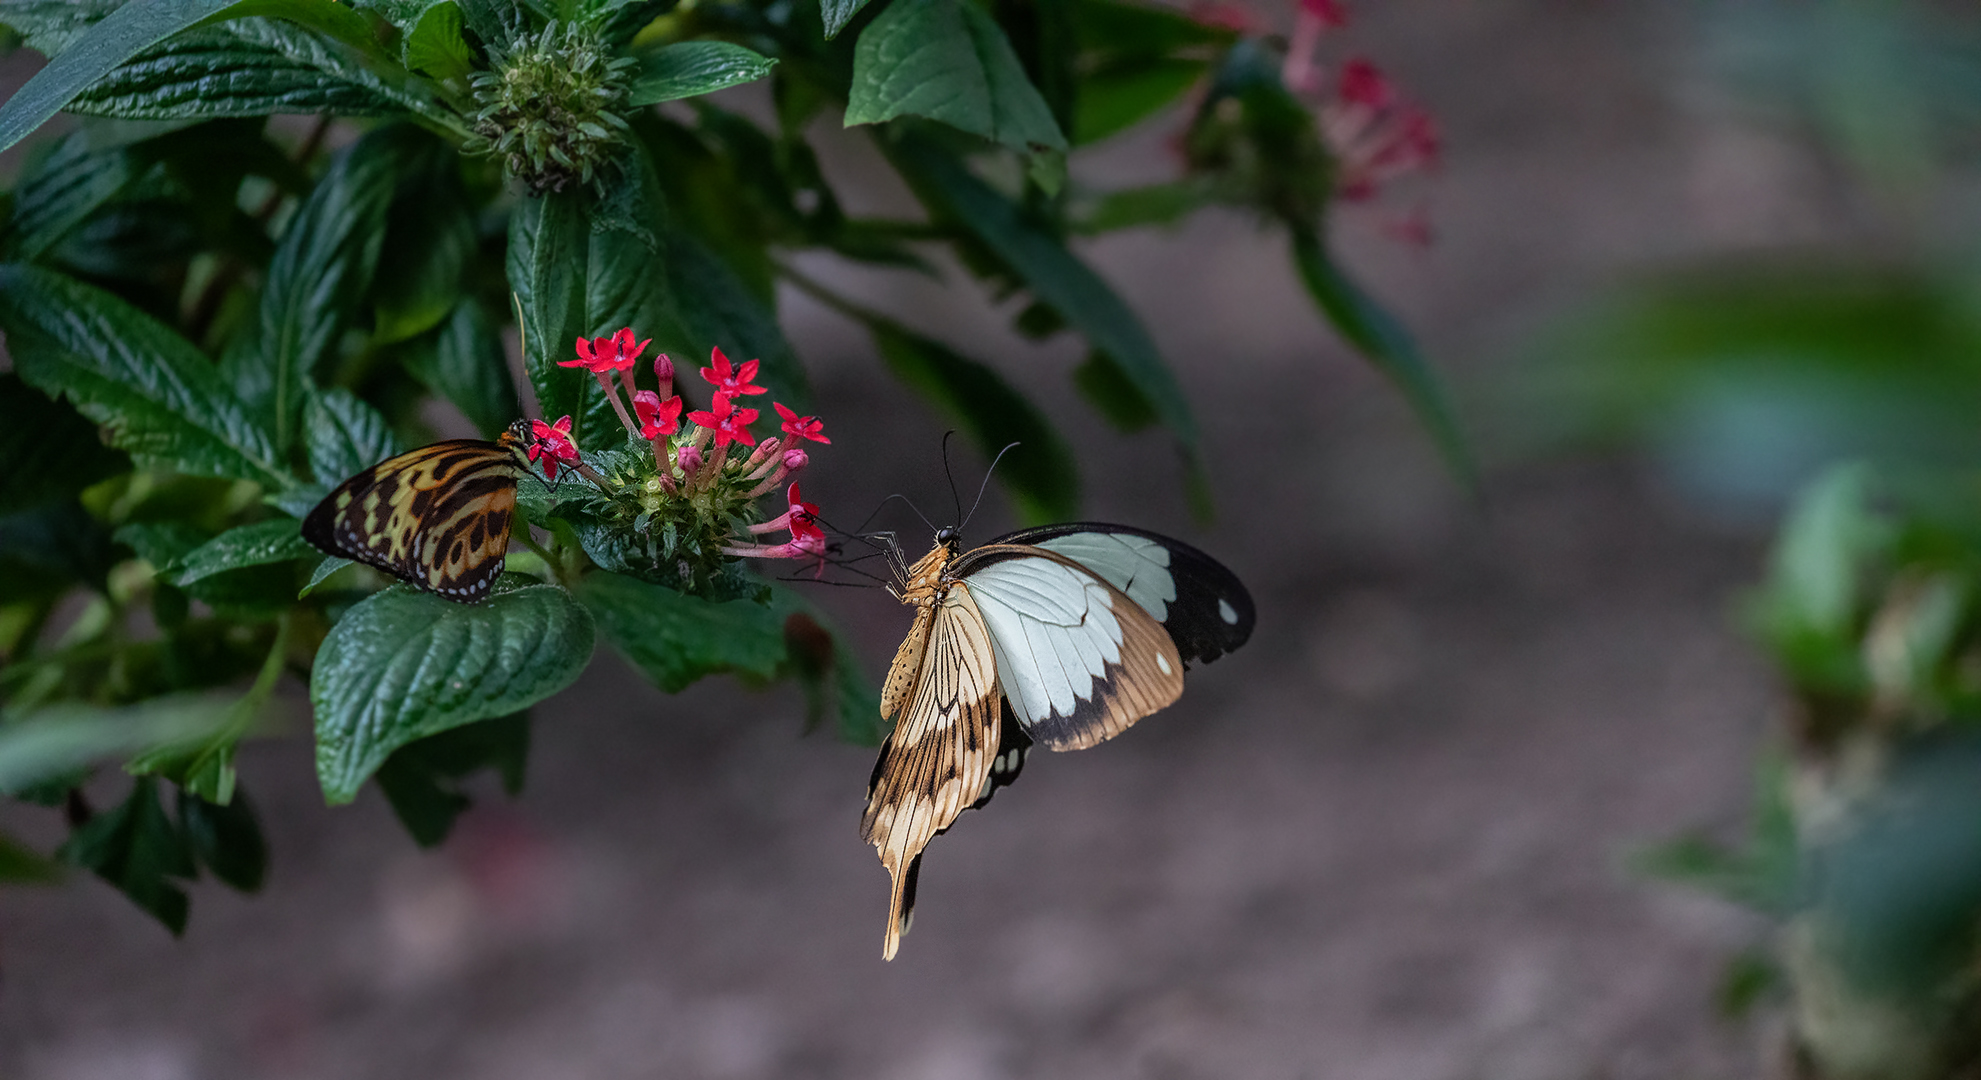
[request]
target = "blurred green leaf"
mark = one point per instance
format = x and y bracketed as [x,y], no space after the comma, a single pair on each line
[1384,342]
[50,450]
[421,779]
[1111,102]
[836,688]
[55,740]
[1056,276]
[676,639]
[716,310]
[405,664]
[1764,874]
[948,61]
[435,44]
[463,361]
[157,397]
[22,865]
[549,247]
[203,766]
[1113,394]
[1041,473]
[689,68]
[137,848]
[1131,208]
[226,839]
[64,185]
[430,232]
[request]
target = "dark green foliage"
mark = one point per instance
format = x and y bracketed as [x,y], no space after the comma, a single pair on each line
[214,321]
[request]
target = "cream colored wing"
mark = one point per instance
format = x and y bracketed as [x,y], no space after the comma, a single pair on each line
[938,760]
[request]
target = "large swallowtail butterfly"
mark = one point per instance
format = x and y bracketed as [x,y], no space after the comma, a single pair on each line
[436,517]
[1061,636]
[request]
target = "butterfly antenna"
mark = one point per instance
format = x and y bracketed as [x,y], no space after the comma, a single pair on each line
[954,498]
[1008,447]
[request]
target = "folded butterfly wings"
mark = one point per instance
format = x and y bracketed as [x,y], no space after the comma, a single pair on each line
[1081,630]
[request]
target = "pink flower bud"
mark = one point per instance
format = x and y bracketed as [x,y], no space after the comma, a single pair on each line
[689,459]
[663,369]
[795,459]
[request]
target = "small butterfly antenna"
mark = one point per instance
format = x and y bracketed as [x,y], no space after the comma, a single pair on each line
[883,505]
[954,498]
[1008,447]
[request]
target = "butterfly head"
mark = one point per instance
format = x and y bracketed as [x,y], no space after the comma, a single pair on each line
[519,434]
[950,538]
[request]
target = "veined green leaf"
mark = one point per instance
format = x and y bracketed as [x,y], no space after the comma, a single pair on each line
[50,451]
[949,61]
[689,68]
[676,639]
[275,541]
[323,264]
[1040,473]
[61,188]
[436,45]
[463,361]
[346,436]
[1384,342]
[837,13]
[405,664]
[1055,275]
[549,246]
[158,397]
[253,67]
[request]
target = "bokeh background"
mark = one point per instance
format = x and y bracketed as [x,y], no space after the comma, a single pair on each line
[1388,840]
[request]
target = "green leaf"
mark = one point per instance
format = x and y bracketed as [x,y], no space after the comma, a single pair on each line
[155,394]
[675,638]
[322,265]
[204,766]
[62,187]
[346,437]
[97,52]
[49,450]
[1115,100]
[330,565]
[59,739]
[837,13]
[1113,394]
[421,779]
[22,865]
[464,363]
[694,67]
[835,686]
[1055,275]
[1383,341]
[436,45]
[1041,472]
[226,839]
[948,61]
[274,541]
[138,849]
[549,245]
[1130,208]
[253,67]
[431,234]
[405,664]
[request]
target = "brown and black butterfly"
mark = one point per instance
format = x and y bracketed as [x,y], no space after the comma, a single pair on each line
[436,517]
[1061,636]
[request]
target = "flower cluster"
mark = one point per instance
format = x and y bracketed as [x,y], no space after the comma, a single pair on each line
[1373,132]
[706,467]
[549,107]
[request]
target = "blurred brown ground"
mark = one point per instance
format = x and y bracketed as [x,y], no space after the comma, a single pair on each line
[1383,842]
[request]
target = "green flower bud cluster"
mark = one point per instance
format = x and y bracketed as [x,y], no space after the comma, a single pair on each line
[548,106]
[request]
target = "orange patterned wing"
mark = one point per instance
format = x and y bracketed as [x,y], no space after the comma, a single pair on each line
[437,517]
[938,761]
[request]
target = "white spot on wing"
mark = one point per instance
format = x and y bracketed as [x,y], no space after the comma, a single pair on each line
[1226,612]
[1163,663]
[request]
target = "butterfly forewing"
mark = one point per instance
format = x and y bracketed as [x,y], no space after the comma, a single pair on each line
[437,517]
[1202,605]
[938,761]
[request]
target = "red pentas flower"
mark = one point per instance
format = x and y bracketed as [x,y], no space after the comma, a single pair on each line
[729,423]
[657,417]
[801,427]
[1362,84]
[600,355]
[1329,13]
[553,444]
[728,381]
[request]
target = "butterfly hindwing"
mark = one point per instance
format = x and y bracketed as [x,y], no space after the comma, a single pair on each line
[1202,605]
[1079,661]
[437,517]
[939,757]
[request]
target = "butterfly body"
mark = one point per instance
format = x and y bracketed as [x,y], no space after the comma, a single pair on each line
[1063,636]
[437,517]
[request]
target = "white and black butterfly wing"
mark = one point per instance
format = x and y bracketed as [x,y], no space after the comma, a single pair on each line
[1202,605]
[1078,660]
[939,759]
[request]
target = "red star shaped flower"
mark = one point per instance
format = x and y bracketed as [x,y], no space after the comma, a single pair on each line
[728,381]
[600,355]
[657,417]
[729,423]
[553,444]
[801,427]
